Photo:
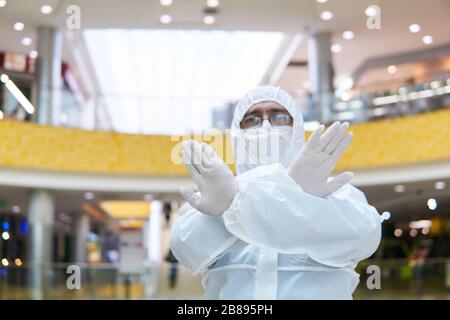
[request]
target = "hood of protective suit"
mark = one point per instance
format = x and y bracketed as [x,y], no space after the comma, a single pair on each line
[239,137]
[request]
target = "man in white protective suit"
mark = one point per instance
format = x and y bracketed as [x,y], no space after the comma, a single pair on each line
[283,228]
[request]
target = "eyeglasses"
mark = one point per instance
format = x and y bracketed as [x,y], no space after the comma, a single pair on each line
[276,119]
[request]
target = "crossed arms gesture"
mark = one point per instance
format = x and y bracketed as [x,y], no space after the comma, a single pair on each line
[310,169]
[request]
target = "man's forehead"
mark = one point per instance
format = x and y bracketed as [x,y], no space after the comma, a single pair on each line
[265,105]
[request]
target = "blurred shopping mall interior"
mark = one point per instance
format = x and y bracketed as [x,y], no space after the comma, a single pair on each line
[95,94]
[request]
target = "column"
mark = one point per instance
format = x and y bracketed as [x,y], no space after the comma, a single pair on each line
[48,75]
[321,74]
[82,227]
[152,237]
[41,213]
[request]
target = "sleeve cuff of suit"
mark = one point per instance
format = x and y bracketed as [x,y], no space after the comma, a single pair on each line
[198,240]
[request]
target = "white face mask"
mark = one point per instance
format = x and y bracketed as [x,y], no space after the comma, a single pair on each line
[267,144]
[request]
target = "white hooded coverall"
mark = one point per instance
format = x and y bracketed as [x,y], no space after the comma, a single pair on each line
[276,241]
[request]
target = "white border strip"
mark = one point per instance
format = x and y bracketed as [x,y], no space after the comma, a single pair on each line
[27,178]
[402,173]
[92,182]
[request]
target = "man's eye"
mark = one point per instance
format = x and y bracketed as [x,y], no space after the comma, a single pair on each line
[280,117]
[250,121]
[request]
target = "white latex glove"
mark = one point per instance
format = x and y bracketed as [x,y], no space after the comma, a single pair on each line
[313,164]
[214,179]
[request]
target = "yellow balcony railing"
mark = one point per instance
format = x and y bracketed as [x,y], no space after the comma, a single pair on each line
[419,138]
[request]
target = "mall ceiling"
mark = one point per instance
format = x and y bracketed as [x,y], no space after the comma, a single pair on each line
[289,16]
[282,15]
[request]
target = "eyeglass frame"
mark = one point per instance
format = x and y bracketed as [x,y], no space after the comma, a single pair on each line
[275,108]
